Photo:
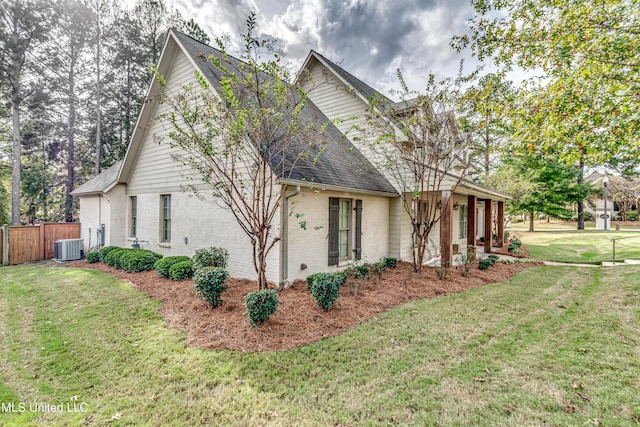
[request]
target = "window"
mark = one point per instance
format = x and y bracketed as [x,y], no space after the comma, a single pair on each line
[464,220]
[165,207]
[345,230]
[134,216]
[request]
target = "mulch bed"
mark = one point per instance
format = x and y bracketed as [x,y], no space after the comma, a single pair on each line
[298,320]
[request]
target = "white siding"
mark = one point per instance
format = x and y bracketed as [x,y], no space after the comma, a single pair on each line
[107,209]
[334,99]
[155,170]
[311,246]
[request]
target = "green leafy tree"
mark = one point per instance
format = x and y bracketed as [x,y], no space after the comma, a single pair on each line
[553,188]
[485,116]
[22,24]
[241,135]
[585,106]
[418,144]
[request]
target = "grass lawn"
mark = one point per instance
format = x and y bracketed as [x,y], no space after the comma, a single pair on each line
[587,246]
[553,346]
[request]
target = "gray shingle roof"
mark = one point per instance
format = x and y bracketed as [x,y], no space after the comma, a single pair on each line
[340,164]
[100,183]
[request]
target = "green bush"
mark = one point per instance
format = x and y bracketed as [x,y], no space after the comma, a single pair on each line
[209,284]
[93,257]
[361,272]
[102,253]
[181,270]
[493,258]
[514,246]
[136,260]
[325,288]
[210,257]
[632,216]
[115,258]
[163,265]
[391,262]
[260,305]
[484,264]
[311,278]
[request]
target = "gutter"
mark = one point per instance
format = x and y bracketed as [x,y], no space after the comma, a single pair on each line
[324,187]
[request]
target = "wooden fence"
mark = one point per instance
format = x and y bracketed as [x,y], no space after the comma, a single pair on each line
[20,244]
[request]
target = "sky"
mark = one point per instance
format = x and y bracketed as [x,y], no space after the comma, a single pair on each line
[368,38]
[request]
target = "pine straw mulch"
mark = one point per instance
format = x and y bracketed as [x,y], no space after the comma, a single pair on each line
[298,320]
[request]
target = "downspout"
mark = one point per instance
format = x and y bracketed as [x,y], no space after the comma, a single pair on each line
[284,240]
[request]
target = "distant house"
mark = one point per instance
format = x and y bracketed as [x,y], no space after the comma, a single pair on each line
[594,207]
[354,213]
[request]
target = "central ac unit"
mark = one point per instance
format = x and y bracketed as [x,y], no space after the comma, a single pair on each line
[68,249]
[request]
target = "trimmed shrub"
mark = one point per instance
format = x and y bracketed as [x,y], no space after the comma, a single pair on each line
[181,270]
[163,265]
[102,253]
[312,278]
[210,257]
[136,260]
[325,288]
[209,284]
[115,258]
[632,216]
[391,262]
[93,257]
[132,259]
[493,258]
[260,305]
[484,264]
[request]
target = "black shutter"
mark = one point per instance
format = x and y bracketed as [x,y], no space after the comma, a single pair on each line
[334,218]
[358,246]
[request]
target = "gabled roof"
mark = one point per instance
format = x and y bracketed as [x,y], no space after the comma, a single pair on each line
[358,85]
[100,183]
[339,165]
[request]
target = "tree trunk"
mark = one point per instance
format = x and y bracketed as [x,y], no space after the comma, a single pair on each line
[581,202]
[98,103]
[15,168]
[531,220]
[68,206]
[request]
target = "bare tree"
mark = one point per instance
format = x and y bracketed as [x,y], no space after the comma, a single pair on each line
[419,145]
[243,133]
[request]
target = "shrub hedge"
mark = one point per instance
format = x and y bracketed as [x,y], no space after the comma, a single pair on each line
[181,270]
[102,253]
[163,265]
[132,259]
[209,284]
[115,257]
[92,257]
[260,305]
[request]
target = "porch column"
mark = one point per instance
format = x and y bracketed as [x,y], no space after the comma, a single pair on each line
[472,220]
[446,225]
[488,229]
[500,232]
